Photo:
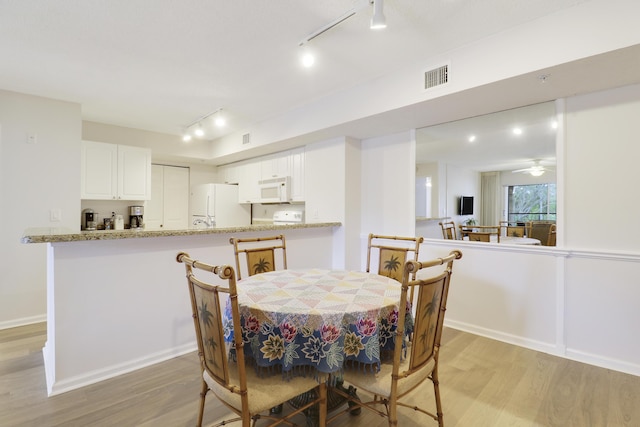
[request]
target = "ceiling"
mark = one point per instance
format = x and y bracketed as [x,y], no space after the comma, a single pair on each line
[495,146]
[159,65]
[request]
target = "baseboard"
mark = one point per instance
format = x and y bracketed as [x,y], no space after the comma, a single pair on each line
[14,323]
[603,362]
[501,336]
[566,353]
[93,377]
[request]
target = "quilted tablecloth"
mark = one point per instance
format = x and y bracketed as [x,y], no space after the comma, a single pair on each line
[317,318]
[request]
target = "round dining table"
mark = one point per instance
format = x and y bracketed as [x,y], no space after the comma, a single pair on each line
[511,240]
[319,320]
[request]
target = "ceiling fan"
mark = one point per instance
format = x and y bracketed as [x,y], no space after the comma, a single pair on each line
[536,170]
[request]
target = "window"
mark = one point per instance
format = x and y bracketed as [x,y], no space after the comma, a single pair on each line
[531,202]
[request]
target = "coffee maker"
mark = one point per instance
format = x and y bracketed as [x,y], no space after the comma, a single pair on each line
[135,217]
[89,220]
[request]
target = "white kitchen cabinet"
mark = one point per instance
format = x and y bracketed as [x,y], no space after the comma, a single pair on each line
[249,173]
[297,174]
[230,174]
[115,172]
[168,208]
[275,165]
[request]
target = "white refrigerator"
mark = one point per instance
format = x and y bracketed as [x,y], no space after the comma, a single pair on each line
[216,205]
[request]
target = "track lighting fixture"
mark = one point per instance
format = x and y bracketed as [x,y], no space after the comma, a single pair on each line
[220,119]
[197,129]
[199,132]
[378,21]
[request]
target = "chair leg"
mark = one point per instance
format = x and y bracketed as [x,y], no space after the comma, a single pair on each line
[436,391]
[203,393]
[392,410]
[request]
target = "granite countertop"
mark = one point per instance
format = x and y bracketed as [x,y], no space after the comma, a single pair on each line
[54,235]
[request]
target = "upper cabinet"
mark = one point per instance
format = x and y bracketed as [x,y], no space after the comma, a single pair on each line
[248,177]
[115,172]
[297,174]
[230,173]
[275,166]
[247,174]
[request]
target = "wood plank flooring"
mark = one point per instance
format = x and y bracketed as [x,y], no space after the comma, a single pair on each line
[483,383]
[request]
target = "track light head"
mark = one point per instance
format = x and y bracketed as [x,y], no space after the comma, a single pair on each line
[378,20]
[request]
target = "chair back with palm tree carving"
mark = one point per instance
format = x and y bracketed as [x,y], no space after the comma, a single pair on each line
[260,258]
[208,321]
[393,253]
[395,381]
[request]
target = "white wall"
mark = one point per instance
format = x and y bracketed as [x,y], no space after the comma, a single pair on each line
[461,182]
[34,179]
[388,187]
[578,300]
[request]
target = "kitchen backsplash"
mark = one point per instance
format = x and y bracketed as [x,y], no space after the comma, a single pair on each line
[103,208]
[264,213]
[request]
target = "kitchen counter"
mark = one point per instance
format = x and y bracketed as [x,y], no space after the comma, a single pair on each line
[117,300]
[53,235]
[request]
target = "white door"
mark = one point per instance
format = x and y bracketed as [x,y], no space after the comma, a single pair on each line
[154,208]
[176,198]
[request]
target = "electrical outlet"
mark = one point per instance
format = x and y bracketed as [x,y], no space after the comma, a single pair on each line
[55,215]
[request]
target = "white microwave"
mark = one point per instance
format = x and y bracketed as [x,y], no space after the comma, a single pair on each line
[275,190]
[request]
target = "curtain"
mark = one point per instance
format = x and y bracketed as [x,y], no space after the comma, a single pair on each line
[490,198]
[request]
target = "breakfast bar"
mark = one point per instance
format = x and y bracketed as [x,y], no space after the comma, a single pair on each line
[116,299]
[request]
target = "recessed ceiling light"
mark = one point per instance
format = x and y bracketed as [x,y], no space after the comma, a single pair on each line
[471,138]
[554,124]
[186,137]
[517,131]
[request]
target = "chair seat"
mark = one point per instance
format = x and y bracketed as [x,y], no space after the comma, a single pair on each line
[263,392]
[380,383]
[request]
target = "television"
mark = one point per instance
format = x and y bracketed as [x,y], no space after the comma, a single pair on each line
[466,205]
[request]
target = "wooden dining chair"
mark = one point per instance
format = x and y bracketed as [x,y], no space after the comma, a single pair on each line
[540,231]
[392,253]
[240,389]
[479,237]
[512,229]
[448,230]
[396,379]
[260,258]
[551,240]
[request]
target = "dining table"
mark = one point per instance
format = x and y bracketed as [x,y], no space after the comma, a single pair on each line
[318,322]
[511,240]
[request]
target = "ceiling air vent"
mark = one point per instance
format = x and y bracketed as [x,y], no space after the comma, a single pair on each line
[246,139]
[436,77]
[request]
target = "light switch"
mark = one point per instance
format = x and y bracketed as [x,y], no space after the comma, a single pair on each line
[55,215]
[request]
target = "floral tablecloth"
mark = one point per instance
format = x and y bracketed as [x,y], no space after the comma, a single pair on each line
[317,318]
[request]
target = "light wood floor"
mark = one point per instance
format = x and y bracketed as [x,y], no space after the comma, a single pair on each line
[483,383]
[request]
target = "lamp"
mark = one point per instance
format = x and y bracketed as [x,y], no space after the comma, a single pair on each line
[378,21]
